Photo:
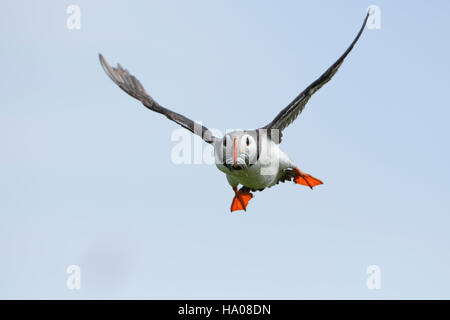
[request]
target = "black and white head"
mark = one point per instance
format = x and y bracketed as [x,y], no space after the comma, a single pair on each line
[238,150]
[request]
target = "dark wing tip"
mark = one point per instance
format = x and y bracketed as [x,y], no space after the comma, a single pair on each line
[369,11]
[124,79]
[107,68]
[357,36]
[103,62]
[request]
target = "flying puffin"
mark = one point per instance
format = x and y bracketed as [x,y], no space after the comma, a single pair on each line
[251,158]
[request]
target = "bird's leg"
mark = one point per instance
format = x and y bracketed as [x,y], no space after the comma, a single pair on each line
[305,179]
[241,199]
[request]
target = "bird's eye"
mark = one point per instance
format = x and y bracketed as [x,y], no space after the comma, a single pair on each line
[248,142]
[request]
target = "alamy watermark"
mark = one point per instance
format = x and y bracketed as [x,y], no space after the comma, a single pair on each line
[73,21]
[73,281]
[373,282]
[374,20]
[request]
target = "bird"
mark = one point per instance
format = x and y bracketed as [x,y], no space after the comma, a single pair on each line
[250,158]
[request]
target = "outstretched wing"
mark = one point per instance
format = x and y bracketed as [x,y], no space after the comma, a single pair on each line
[128,83]
[292,110]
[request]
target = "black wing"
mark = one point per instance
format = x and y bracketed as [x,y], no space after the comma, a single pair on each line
[292,110]
[128,83]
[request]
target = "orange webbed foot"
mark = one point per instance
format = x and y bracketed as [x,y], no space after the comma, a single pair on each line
[241,199]
[306,179]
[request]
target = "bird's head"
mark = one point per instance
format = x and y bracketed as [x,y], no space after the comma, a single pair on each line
[237,150]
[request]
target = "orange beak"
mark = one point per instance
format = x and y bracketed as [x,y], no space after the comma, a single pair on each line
[235,151]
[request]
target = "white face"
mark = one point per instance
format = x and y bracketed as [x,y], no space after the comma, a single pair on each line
[237,150]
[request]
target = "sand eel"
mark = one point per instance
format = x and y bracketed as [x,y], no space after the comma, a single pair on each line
[251,158]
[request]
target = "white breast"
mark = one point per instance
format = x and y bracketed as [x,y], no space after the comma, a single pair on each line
[265,172]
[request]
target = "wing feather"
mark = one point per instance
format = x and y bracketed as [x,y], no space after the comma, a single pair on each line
[293,109]
[128,83]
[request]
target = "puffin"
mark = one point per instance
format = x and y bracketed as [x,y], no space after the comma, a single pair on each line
[252,158]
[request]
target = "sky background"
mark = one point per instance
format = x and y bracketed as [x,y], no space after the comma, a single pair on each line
[86,176]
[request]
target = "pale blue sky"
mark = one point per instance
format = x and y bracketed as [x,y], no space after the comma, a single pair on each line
[86,176]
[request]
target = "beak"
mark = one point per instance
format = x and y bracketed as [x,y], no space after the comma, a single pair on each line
[235,151]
